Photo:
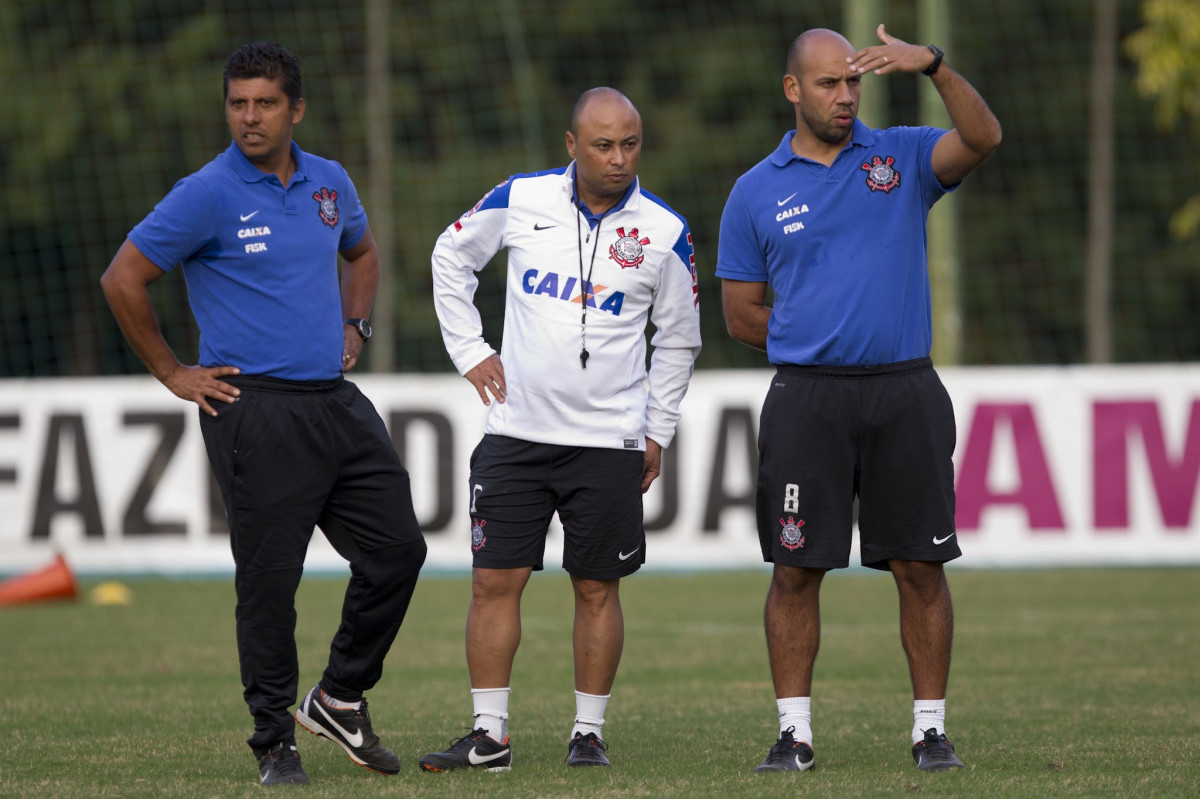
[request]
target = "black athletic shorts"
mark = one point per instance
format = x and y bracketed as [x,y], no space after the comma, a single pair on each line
[882,433]
[516,487]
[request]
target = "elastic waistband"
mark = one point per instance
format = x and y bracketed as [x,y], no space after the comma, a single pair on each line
[898,368]
[274,384]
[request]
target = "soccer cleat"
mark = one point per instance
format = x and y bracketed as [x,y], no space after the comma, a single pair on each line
[935,753]
[586,750]
[474,749]
[787,754]
[280,764]
[349,728]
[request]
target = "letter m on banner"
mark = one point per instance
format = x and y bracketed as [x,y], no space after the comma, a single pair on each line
[1175,479]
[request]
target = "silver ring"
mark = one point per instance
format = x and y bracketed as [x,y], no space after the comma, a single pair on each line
[885,59]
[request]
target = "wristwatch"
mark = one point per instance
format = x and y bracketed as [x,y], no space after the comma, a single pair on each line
[361,325]
[937,60]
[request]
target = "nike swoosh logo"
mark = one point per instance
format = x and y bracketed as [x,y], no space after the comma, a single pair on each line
[627,555]
[355,740]
[937,541]
[245,217]
[543,227]
[785,199]
[477,759]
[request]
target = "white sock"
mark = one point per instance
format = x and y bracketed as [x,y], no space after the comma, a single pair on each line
[796,711]
[491,711]
[339,704]
[589,714]
[928,714]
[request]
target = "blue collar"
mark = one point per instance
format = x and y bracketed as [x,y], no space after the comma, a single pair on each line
[860,136]
[248,172]
[594,218]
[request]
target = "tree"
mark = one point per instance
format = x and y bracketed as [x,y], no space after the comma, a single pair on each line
[1166,50]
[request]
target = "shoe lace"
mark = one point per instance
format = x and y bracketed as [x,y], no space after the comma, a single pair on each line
[591,740]
[786,742]
[360,712]
[936,744]
[287,763]
[469,739]
[365,717]
[285,758]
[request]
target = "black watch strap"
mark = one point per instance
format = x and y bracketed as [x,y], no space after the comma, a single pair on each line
[361,325]
[937,60]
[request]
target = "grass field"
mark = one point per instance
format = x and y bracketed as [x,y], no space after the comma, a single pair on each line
[1065,683]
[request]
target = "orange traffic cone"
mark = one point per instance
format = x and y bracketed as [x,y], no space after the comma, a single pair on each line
[53,582]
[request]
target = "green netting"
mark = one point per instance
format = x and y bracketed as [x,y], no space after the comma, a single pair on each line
[109,102]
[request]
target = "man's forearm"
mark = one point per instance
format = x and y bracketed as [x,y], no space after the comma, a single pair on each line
[969,113]
[134,312]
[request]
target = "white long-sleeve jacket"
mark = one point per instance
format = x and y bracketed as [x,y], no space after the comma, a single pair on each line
[643,270]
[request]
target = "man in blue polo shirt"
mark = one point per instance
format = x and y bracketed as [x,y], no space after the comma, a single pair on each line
[833,222]
[292,444]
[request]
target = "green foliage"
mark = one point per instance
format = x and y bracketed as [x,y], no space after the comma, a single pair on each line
[109,102]
[1065,683]
[1167,50]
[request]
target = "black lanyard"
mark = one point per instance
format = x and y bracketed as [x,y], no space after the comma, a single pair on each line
[586,286]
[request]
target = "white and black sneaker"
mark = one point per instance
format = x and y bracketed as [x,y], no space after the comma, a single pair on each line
[280,764]
[349,728]
[477,749]
[788,754]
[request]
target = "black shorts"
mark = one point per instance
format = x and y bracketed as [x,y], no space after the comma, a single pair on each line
[517,486]
[884,434]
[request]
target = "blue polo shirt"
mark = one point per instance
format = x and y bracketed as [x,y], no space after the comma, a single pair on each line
[260,261]
[842,248]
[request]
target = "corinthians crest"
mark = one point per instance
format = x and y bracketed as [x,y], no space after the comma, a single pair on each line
[790,536]
[881,176]
[478,539]
[627,250]
[327,205]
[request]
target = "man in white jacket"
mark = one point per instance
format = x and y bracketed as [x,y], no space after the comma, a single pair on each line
[576,424]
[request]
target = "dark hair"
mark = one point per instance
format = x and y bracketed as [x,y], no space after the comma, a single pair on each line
[265,60]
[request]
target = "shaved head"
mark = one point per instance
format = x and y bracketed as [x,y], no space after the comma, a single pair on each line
[824,90]
[598,93]
[811,40]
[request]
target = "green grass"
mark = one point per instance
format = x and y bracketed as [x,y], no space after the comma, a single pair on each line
[1065,683]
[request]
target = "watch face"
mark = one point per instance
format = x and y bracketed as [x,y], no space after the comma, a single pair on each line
[364,328]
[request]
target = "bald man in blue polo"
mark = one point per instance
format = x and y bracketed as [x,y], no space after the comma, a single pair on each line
[833,222]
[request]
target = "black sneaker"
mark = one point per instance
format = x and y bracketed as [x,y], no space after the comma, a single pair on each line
[280,764]
[787,754]
[474,749]
[586,750]
[349,728]
[935,753]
